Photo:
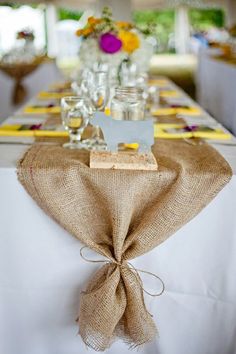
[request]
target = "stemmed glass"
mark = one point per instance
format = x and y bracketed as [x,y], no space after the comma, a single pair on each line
[80,85]
[153,99]
[99,90]
[75,117]
[128,74]
[98,95]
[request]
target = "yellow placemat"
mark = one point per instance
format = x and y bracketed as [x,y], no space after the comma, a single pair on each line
[22,130]
[169,131]
[45,95]
[169,93]
[60,85]
[175,131]
[12,127]
[158,82]
[193,111]
[42,110]
[42,133]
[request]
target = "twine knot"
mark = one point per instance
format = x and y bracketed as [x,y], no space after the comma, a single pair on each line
[129,266]
[122,263]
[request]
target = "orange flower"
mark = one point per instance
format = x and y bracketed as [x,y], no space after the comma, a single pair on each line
[93,21]
[87,31]
[84,32]
[124,25]
[79,32]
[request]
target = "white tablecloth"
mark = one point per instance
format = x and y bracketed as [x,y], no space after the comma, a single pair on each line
[216,86]
[42,274]
[38,80]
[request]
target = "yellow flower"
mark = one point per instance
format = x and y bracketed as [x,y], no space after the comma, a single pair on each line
[130,41]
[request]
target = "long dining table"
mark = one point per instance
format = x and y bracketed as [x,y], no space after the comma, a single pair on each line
[42,273]
[216,86]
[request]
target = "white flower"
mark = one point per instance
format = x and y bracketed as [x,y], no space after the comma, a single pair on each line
[90,53]
[142,56]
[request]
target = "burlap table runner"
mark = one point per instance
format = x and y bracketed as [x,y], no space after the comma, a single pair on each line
[121,215]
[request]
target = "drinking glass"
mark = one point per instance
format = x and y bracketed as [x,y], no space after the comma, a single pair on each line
[80,86]
[128,104]
[75,117]
[128,74]
[99,90]
[99,94]
[153,98]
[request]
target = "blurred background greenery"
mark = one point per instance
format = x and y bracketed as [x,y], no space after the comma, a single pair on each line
[68,14]
[162,24]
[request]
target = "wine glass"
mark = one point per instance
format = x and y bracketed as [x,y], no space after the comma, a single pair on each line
[80,85]
[75,117]
[128,74]
[99,90]
[98,95]
[153,99]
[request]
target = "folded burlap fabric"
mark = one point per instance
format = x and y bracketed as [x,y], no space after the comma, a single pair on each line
[121,215]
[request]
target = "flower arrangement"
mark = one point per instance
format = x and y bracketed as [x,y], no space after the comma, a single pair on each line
[26,34]
[232,31]
[111,42]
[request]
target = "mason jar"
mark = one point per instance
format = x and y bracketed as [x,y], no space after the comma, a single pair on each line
[128,103]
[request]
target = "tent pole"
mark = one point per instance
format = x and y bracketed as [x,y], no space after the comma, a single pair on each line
[182,30]
[51,20]
[230,13]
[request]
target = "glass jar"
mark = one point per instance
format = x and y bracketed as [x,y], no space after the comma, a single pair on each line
[128,104]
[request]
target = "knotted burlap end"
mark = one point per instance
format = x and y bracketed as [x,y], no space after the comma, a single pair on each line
[121,215]
[113,306]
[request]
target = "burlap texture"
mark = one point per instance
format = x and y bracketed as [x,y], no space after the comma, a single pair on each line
[121,215]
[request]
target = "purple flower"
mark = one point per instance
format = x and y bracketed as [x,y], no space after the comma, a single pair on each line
[110,43]
[191,128]
[35,126]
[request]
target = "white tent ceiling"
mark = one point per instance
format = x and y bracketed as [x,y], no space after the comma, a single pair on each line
[173,3]
[136,4]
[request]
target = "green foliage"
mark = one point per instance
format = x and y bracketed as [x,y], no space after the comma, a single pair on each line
[202,20]
[158,23]
[12,5]
[16,5]
[67,14]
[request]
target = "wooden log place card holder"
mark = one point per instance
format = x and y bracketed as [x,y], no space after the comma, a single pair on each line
[128,132]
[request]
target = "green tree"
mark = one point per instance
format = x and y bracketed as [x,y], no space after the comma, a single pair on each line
[202,20]
[159,22]
[67,14]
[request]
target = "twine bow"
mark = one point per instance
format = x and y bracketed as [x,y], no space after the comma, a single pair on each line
[129,266]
